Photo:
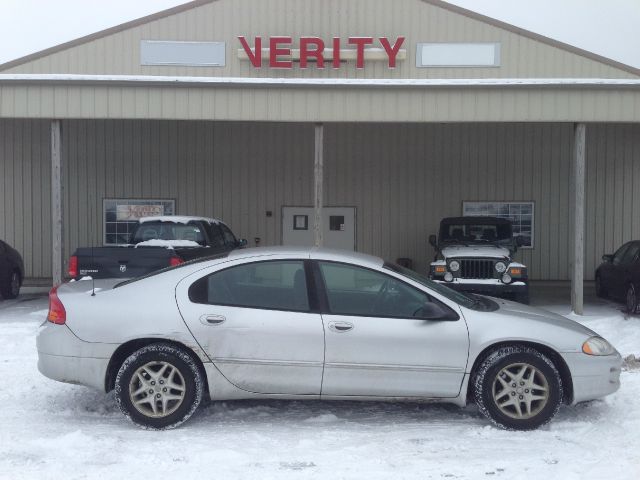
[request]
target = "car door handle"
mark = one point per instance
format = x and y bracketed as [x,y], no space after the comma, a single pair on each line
[212,319]
[340,327]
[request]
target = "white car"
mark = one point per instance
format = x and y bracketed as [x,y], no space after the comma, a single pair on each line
[315,324]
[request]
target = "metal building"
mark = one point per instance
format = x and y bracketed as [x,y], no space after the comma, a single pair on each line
[281,115]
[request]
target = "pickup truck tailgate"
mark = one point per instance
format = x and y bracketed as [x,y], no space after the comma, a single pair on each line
[121,262]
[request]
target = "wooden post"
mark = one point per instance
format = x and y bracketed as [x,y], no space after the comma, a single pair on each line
[577,279]
[56,203]
[318,174]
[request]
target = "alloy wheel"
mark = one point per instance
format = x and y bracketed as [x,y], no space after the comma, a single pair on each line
[157,389]
[520,391]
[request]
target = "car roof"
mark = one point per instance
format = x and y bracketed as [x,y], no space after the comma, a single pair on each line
[316,253]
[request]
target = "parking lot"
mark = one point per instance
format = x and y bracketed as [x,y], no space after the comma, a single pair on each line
[51,430]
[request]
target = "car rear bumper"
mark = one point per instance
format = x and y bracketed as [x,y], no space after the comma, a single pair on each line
[64,357]
[593,377]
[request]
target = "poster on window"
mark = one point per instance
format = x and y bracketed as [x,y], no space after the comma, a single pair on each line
[122,214]
[521,214]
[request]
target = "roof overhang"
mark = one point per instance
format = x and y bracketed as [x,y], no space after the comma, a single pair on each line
[319,99]
[271,82]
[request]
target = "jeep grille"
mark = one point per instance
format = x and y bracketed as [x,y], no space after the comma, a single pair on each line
[476,268]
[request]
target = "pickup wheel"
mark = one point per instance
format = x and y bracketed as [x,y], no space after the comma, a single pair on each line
[518,388]
[159,386]
[631,299]
[10,285]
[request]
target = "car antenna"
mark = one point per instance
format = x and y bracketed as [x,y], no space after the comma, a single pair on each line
[93,241]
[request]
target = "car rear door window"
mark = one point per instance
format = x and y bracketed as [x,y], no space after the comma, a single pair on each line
[272,285]
[359,291]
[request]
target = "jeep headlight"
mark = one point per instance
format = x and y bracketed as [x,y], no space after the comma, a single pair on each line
[454,266]
[500,267]
[597,346]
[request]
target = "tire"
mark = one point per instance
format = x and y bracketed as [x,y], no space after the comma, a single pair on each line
[10,288]
[631,300]
[601,292]
[172,389]
[490,387]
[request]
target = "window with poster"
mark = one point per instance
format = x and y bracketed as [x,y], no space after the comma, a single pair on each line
[121,214]
[521,214]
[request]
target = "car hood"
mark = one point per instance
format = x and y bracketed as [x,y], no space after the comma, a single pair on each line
[475,251]
[515,321]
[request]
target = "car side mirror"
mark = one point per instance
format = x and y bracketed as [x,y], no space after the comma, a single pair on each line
[433,240]
[435,311]
[241,243]
[607,258]
[520,241]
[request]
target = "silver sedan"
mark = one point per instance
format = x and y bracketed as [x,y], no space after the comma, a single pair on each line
[316,324]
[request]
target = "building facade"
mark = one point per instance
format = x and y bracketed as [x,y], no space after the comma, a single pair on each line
[398,112]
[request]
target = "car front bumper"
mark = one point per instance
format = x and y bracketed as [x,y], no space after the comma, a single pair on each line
[493,288]
[64,357]
[593,377]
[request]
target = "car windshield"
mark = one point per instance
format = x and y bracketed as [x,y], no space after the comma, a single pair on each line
[168,231]
[476,233]
[454,296]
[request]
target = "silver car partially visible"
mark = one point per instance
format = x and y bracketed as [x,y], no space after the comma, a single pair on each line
[316,324]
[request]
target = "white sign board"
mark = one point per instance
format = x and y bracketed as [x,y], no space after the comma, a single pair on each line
[136,212]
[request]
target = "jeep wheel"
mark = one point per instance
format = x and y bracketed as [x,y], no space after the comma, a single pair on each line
[518,388]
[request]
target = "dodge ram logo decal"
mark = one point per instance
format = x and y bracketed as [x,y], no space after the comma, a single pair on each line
[123,268]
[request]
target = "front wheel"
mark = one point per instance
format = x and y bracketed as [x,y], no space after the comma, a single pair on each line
[10,289]
[631,303]
[159,386]
[518,388]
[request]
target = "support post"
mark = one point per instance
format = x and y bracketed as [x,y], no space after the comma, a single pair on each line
[577,279]
[56,203]
[318,174]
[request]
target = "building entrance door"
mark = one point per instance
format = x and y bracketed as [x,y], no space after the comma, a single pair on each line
[338,227]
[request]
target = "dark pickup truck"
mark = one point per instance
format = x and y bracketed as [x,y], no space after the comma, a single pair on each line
[155,243]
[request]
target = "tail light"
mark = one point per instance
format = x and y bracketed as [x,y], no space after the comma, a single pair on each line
[57,313]
[175,261]
[73,267]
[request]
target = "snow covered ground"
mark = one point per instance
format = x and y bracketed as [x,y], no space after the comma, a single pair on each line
[50,430]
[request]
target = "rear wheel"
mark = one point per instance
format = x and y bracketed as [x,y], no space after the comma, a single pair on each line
[631,303]
[10,287]
[518,388]
[159,386]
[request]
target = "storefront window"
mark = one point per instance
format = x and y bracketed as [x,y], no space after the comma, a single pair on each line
[121,214]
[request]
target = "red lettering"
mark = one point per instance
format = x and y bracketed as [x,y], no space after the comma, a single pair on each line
[275,51]
[360,43]
[254,57]
[336,52]
[317,52]
[392,52]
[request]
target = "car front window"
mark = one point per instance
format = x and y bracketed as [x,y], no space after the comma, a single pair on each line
[457,297]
